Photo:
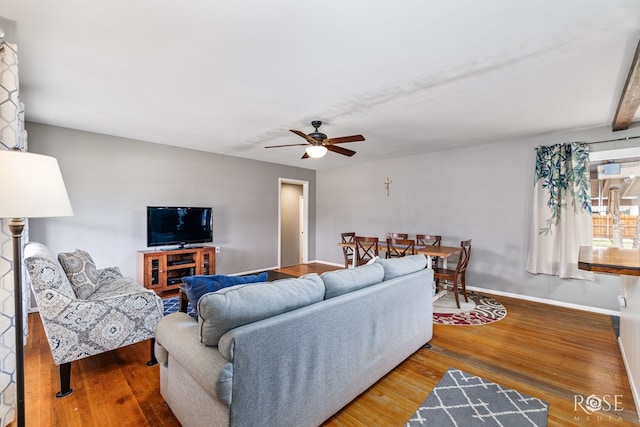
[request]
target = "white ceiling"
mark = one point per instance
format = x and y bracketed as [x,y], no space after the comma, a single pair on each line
[411,76]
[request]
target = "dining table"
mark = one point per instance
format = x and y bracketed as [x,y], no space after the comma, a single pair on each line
[430,251]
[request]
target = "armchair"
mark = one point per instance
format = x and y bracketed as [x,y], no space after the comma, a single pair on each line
[114,311]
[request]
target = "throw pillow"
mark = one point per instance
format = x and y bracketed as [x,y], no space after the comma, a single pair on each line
[196,286]
[81,271]
[373,260]
[226,309]
[108,274]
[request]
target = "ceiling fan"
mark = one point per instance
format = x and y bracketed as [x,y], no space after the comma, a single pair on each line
[320,144]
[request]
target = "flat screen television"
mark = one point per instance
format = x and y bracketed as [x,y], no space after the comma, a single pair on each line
[174,225]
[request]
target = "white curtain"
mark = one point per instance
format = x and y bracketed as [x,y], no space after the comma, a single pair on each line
[561,220]
[12,135]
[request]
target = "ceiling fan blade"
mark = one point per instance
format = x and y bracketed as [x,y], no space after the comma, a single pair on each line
[304,135]
[343,139]
[286,145]
[340,150]
[305,155]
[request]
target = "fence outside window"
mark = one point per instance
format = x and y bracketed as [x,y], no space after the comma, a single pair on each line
[603,229]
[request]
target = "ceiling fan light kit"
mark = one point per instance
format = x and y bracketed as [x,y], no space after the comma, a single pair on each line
[316,151]
[320,144]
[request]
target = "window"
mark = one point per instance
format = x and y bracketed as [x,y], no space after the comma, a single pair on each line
[615,197]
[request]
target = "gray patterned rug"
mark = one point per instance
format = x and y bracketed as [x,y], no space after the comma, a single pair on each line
[464,400]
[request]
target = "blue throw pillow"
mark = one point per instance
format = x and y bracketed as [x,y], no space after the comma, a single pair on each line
[196,286]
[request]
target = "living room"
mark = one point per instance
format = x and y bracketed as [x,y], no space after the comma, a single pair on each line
[479,189]
[109,192]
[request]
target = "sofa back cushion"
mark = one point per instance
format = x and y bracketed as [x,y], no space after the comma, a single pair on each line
[81,271]
[45,271]
[340,282]
[196,286]
[228,308]
[396,267]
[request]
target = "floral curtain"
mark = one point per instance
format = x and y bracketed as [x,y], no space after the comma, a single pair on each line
[12,135]
[561,220]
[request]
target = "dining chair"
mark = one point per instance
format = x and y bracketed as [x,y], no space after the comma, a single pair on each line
[459,273]
[397,248]
[366,249]
[347,251]
[389,254]
[429,240]
[398,235]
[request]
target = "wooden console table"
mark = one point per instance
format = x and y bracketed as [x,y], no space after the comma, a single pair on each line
[626,264]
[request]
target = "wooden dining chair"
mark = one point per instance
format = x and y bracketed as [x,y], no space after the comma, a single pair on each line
[390,254]
[398,235]
[397,248]
[429,240]
[459,273]
[366,249]
[347,251]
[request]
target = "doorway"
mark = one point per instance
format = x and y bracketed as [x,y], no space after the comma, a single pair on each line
[293,222]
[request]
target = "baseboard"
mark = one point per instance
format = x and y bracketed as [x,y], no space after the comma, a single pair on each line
[634,391]
[260,270]
[546,301]
[335,264]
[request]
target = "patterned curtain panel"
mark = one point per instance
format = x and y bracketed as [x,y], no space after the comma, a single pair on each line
[12,135]
[561,220]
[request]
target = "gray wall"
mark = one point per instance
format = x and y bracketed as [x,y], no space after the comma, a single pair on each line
[111,180]
[480,193]
[483,193]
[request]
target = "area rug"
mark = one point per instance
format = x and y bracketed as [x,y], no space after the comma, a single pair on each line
[171,305]
[480,310]
[465,400]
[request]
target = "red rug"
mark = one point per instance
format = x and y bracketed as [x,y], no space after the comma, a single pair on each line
[480,310]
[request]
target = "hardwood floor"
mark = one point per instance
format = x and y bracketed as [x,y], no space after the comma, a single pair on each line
[549,352]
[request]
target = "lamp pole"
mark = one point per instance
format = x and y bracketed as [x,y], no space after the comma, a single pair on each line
[16,226]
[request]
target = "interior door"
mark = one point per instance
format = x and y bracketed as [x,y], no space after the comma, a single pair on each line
[293,222]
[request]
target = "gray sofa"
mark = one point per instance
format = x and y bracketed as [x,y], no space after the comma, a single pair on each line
[295,351]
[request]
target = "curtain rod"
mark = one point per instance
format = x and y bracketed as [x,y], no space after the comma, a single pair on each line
[626,138]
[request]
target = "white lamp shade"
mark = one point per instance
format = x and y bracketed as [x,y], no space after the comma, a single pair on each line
[316,151]
[31,186]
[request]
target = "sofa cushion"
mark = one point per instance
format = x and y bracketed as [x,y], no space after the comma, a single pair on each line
[196,286]
[81,271]
[228,308]
[395,267]
[340,282]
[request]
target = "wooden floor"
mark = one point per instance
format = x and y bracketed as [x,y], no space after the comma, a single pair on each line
[551,353]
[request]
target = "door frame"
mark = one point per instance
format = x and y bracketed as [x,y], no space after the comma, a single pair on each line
[304,244]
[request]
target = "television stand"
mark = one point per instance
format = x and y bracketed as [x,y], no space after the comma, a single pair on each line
[163,270]
[180,247]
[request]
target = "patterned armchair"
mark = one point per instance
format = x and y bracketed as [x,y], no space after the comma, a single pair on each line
[86,311]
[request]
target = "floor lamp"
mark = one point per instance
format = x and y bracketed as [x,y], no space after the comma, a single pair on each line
[31,186]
